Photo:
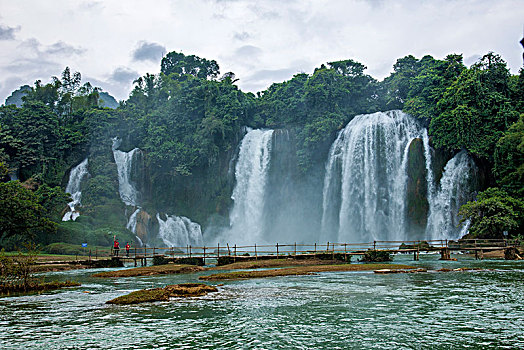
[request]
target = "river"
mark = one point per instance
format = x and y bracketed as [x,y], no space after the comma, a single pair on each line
[335,310]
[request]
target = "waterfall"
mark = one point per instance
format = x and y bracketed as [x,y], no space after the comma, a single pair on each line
[246,218]
[179,231]
[131,223]
[454,191]
[78,173]
[124,163]
[364,194]
[131,226]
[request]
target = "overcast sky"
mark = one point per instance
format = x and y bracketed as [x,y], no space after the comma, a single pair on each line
[113,42]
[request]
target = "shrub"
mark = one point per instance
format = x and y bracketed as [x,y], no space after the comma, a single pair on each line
[376,256]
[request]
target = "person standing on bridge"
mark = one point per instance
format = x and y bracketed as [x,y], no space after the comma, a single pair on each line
[116,247]
[127,249]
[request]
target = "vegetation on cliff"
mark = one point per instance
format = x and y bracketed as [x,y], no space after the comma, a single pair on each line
[188,120]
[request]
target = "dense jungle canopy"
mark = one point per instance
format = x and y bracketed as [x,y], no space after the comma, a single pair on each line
[189,115]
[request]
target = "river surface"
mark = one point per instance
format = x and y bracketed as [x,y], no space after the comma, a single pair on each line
[334,310]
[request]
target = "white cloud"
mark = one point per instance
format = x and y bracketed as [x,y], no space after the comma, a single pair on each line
[259,41]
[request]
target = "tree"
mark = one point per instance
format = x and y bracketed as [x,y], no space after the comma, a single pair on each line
[53,201]
[181,64]
[20,213]
[492,213]
[509,159]
[475,110]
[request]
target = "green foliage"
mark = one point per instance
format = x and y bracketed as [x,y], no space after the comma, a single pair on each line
[509,159]
[53,201]
[16,271]
[160,260]
[180,64]
[492,213]
[62,248]
[64,96]
[188,124]
[185,123]
[475,110]
[376,256]
[20,212]
[318,105]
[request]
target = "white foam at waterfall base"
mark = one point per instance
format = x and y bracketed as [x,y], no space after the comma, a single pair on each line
[454,190]
[251,172]
[367,172]
[78,173]
[179,231]
[124,162]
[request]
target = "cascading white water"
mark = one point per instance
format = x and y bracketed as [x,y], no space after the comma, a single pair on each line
[179,231]
[78,173]
[124,163]
[131,223]
[454,191]
[251,172]
[364,195]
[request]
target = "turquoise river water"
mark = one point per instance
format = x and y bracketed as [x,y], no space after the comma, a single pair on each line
[342,310]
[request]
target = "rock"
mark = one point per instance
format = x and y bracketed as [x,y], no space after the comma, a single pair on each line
[184,290]
[189,289]
[385,271]
[143,225]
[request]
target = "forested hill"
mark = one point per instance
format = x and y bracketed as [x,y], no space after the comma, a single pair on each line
[188,122]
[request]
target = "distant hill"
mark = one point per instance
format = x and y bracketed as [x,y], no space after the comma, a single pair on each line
[16,96]
[107,100]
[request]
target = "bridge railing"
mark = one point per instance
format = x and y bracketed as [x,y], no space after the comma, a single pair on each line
[278,249]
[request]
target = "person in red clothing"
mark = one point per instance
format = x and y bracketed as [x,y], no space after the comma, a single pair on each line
[116,247]
[127,249]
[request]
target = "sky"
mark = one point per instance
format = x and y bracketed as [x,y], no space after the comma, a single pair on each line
[113,42]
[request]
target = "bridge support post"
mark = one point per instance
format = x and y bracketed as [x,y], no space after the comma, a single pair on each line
[445,254]
[415,255]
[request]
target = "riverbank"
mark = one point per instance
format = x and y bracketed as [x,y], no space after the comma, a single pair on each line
[36,287]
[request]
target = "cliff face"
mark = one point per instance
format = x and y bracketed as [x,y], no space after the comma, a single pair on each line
[417,190]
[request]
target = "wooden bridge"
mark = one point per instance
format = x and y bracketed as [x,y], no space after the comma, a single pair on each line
[225,254]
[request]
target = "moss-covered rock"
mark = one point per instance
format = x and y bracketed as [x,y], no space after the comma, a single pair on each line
[32,287]
[184,290]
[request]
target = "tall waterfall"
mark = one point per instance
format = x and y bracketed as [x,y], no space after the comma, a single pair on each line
[124,163]
[179,231]
[454,191]
[78,173]
[251,172]
[364,195]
